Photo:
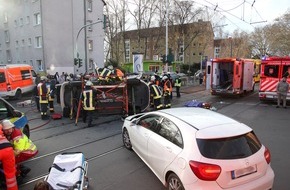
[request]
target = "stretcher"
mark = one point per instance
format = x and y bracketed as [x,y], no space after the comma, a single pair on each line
[68,172]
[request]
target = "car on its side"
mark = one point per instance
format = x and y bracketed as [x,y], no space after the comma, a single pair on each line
[194,148]
[7,111]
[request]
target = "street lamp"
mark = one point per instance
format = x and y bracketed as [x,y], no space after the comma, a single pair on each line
[76,46]
[231,40]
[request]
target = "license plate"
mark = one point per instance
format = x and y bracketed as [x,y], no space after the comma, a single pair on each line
[243,172]
[269,96]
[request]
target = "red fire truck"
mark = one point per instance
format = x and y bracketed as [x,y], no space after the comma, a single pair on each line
[231,76]
[272,71]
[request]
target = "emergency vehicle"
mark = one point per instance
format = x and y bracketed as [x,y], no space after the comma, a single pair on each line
[231,76]
[16,79]
[272,71]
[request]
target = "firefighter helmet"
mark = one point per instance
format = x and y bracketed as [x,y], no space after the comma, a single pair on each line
[152,78]
[42,78]
[89,83]
[164,78]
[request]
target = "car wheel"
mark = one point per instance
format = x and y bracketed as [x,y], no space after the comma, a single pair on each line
[26,131]
[18,94]
[174,183]
[126,139]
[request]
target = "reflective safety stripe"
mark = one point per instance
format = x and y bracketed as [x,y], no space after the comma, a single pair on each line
[157,92]
[105,73]
[88,100]
[178,82]
[11,183]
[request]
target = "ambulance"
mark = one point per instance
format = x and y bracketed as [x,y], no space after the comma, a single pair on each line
[272,71]
[16,79]
[231,76]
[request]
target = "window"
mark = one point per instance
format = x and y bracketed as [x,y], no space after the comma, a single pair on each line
[2,77]
[127,51]
[29,42]
[170,131]
[271,71]
[91,63]
[21,22]
[229,148]
[91,45]
[39,65]
[286,70]
[27,20]
[7,36]
[150,122]
[15,23]
[90,27]
[5,17]
[23,42]
[38,42]
[25,74]
[16,44]
[37,19]
[31,62]
[8,55]
[90,5]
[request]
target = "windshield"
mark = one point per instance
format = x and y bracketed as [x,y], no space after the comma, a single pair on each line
[2,77]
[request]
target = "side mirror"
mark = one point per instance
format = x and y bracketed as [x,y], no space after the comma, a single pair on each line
[17,113]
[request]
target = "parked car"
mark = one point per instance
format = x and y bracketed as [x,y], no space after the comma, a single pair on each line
[16,79]
[7,111]
[195,148]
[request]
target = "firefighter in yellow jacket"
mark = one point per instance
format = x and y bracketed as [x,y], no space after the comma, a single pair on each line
[43,97]
[23,147]
[88,101]
[155,94]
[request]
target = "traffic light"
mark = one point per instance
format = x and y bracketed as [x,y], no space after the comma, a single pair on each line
[80,62]
[76,61]
[163,58]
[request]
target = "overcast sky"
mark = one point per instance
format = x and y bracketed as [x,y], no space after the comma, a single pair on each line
[252,11]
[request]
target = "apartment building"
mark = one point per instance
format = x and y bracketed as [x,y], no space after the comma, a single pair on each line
[49,34]
[189,43]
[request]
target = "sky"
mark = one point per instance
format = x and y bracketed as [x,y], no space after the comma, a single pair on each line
[245,15]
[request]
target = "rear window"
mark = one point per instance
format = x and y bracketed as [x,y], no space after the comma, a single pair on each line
[230,148]
[2,77]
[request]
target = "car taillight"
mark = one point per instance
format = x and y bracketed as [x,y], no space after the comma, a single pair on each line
[205,171]
[267,155]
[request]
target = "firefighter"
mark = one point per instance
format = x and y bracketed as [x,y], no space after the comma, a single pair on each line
[23,147]
[8,162]
[177,84]
[88,101]
[119,74]
[105,73]
[43,99]
[155,94]
[167,90]
[52,91]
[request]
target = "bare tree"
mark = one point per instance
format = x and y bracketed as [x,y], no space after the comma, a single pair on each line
[259,42]
[116,11]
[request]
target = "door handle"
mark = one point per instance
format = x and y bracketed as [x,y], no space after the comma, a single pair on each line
[168,148]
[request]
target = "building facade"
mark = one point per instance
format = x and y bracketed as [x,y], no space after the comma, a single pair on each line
[187,43]
[49,34]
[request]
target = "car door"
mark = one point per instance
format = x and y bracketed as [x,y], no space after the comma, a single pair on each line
[164,146]
[141,132]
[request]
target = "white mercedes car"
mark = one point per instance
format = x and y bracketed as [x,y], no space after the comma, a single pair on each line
[195,148]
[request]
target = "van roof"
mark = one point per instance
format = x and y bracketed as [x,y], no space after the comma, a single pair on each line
[14,65]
